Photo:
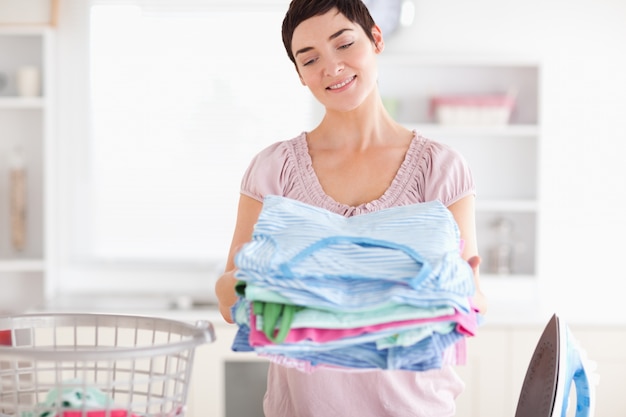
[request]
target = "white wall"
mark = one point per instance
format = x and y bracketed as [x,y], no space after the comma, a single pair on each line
[584,128]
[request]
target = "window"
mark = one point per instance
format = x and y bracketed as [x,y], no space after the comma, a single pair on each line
[180,95]
[181,101]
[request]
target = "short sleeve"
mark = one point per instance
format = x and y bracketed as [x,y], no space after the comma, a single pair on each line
[266,173]
[448,177]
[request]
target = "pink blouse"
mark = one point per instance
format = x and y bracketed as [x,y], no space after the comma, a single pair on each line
[430,171]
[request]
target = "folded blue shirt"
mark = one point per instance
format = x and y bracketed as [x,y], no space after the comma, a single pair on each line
[299,247]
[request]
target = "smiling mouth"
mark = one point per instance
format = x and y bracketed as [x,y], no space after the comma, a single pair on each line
[341,84]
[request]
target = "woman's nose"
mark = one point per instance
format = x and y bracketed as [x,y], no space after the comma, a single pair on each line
[334,67]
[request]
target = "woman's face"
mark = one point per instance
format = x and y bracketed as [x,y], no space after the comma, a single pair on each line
[336,60]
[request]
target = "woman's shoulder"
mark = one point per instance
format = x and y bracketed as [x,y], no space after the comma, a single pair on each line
[436,152]
[268,172]
[443,172]
[436,147]
[277,152]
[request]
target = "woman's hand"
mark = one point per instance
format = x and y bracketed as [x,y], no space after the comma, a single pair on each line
[247,215]
[225,290]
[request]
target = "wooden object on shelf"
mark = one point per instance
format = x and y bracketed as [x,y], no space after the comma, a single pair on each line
[17,197]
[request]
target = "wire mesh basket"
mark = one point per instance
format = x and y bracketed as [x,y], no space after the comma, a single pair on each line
[96,365]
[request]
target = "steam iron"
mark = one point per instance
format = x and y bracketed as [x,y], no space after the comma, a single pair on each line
[556,363]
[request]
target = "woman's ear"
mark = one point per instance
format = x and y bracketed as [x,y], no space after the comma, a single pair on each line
[379,42]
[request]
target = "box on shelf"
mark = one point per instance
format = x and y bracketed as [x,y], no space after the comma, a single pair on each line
[480,109]
[28,12]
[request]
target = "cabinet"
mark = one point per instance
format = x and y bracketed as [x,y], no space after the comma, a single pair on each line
[26,128]
[502,157]
[210,380]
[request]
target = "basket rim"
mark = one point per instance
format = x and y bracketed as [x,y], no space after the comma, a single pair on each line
[200,333]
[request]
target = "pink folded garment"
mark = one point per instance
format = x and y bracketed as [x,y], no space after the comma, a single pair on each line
[466,323]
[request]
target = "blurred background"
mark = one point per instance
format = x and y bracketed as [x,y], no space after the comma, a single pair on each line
[126,126]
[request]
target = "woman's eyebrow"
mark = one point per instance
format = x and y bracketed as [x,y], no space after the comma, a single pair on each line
[331,37]
[338,33]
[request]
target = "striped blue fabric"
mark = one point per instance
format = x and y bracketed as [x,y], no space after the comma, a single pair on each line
[311,252]
[421,356]
[401,257]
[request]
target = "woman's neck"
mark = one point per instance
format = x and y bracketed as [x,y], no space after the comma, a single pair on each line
[368,125]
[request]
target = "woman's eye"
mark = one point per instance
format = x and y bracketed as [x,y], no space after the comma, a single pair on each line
[346,46]
[308,62]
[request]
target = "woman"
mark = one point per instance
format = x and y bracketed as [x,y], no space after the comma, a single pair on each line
[357,160]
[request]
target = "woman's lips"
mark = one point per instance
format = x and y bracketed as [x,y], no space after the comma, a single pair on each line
[341,84]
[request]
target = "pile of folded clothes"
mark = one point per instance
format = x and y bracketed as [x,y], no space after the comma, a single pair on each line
[387,289]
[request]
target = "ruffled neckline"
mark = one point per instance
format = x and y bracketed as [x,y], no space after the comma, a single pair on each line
[316,193]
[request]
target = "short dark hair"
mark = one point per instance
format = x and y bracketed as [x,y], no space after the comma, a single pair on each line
[301,10]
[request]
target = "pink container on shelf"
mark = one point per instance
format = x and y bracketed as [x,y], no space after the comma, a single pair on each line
[479,109]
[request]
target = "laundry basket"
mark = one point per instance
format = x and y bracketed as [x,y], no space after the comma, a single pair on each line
[96,365]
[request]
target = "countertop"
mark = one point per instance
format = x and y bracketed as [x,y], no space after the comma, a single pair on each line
[499,314]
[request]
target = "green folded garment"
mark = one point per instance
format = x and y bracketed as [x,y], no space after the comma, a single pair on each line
[275,315]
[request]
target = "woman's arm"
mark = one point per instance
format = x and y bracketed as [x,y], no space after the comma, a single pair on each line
[247,216]
[465,215]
